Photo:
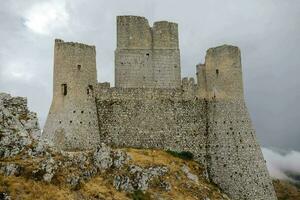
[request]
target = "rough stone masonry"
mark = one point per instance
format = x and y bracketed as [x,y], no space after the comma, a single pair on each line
[150,107]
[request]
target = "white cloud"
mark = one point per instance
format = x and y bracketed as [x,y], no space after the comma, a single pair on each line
[16,71]
[46,17]
[278,164]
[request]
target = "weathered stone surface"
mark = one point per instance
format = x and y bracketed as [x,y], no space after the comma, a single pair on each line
[4,196]
[18,126]
[10,169]
[102,157]
[139,178]
[72,119]
[147,57]
[46,169]
[189,175]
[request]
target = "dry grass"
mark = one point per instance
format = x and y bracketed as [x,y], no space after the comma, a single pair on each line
[285,190]
[182,187]
[100,186]
[26,189]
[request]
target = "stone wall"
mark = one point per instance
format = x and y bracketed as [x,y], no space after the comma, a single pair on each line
[152,118]
[146,57]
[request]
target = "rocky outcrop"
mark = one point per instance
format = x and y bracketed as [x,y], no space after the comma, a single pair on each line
[18,126]
[137,178]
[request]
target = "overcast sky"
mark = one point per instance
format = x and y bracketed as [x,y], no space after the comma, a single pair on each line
[267,32]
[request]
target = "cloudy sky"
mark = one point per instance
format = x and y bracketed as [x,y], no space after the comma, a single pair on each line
[267,32]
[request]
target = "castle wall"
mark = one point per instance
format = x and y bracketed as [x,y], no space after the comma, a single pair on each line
[133,68]
[72,119]
[152,118]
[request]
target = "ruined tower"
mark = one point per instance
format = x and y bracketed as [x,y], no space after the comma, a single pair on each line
[72,119]
[234,158]
[146,57]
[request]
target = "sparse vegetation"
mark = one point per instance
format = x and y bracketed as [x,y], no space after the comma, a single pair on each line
[186,155]
[140,195]
[26,186]
[286,190]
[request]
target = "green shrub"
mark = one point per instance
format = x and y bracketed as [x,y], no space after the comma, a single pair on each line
[186,155]
[140,195]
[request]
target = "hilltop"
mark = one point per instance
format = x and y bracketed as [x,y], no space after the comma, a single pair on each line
[33,169]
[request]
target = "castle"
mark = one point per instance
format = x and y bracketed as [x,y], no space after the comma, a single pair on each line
[151,107]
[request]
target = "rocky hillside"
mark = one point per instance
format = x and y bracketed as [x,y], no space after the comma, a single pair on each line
[286,190]
[33,169]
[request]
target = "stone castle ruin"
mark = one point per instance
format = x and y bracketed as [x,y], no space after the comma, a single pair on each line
[151,107]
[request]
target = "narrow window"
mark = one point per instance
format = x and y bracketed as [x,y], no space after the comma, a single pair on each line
[147,54]
[79,67]
[90,89]
[64,89]
[217,72]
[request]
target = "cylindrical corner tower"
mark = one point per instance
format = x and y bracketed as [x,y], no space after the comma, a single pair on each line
[235,161]
[72,119]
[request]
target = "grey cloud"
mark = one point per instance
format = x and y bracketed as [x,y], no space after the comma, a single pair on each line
[282,164]
[267,32]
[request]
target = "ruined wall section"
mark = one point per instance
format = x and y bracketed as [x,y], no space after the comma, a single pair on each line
[166,55]
[152,118]
[72,119]
[146,57]
[201,81]
[189,88]
[235,161]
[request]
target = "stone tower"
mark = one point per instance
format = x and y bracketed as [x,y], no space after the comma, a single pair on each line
[146,57]
[72,119]
[235,161]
